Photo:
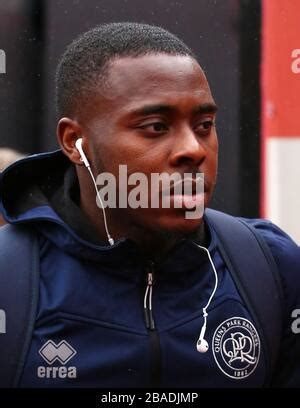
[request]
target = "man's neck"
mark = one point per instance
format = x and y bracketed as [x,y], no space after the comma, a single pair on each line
[154,245]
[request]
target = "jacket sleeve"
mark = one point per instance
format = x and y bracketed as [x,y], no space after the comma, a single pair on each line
[287,257]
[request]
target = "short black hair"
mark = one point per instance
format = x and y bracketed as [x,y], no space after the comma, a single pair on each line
[83,64]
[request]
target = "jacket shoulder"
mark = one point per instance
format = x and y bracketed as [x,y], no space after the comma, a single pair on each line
[286,254]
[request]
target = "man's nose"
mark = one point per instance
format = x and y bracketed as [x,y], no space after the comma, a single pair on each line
[187,149]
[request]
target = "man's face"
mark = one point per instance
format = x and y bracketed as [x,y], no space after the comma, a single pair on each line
[155,114]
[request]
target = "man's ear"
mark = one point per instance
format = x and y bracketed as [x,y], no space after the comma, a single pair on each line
[68,131]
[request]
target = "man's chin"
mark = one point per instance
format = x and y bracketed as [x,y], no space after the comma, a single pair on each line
[175,222]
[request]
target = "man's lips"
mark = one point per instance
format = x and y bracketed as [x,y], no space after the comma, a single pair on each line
[187,193]
[187,201]
[186,187]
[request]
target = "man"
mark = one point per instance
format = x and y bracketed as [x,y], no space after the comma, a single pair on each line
[128,312]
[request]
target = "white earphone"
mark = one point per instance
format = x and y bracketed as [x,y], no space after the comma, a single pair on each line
[202,344]
[78,145]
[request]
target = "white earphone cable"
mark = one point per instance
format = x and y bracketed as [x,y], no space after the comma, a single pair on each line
[110,239]
[216,277]
[205,314]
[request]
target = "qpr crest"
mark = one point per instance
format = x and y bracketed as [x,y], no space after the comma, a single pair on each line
[236,347]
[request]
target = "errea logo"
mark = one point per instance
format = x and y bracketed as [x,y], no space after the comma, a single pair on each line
[62,352]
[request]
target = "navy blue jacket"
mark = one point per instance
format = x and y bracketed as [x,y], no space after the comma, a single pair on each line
[90,328]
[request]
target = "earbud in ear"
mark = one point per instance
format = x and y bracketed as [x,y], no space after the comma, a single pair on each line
[78,145]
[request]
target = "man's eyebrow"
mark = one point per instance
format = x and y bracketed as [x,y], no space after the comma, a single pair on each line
[163,109]
[153,109]
[206,108]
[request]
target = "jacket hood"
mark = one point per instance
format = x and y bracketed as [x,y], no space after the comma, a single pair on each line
[27,186]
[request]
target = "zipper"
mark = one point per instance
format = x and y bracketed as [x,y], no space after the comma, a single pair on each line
[149,320]
[155,353]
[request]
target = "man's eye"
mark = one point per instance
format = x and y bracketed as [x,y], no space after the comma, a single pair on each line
[156,127]
[205,125]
